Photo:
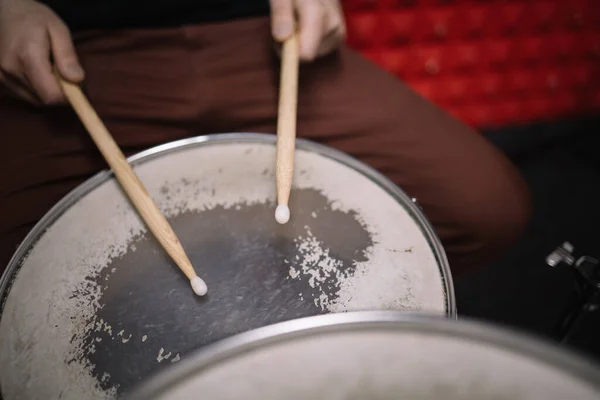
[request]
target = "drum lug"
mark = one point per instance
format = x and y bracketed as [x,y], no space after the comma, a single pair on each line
[585,297]
[561,254]
[587,267]
[416,203]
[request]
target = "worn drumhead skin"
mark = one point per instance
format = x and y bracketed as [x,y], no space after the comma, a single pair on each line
[93,305]
[378,355]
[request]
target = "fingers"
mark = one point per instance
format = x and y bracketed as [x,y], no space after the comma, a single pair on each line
[28,54]
[27,73]
[19,90]
[334,26]
[35,64]
[329,43]
[321,26]
[283,21]
[311,24]
[63,53]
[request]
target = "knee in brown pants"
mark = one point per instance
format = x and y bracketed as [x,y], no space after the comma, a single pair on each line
[474,197]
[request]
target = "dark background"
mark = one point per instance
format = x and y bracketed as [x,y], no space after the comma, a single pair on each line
[508,63]
[561,163]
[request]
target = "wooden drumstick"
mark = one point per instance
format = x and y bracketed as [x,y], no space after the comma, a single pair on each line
[286,126]
[131,184]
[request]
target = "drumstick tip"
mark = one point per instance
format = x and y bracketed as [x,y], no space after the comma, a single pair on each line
[199,286]
[282,214]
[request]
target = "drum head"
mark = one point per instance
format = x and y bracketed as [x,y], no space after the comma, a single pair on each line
[383,356]
[93,304]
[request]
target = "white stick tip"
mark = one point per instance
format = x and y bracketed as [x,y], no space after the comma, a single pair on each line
[282,214]
[199,286]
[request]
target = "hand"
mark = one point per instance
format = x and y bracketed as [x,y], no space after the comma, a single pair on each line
[31,37]
[320,24]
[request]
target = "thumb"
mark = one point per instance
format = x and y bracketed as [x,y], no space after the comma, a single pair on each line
[312,23]
[63,53]
[282,19]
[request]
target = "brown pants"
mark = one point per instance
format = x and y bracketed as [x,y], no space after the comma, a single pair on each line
[154,86]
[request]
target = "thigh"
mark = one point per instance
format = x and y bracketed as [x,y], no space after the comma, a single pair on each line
[472,194]
[46,152]
[474,197]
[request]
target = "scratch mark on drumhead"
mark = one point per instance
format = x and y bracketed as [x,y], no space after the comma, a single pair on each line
[246,259]
[103,273]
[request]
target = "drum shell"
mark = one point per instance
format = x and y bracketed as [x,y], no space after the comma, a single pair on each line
[379,355]
[115,334]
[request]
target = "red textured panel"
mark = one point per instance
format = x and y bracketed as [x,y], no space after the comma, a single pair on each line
[482,114]
[589,46]
[489,86]
[595,103]
[462,56]
[352,6]
[398,27]
[449,91]
[425,88]
[508,110]
[542,17]
[495,52]
[435,23]
[362,30]
[430,59]
[507,18]
[575,15]
[398,4]
[374,56]
[564,103]
[471,21]
[518,81]
[562,46]
[530,49]
[537,107]
[398,61]
[580,75]
[487,61]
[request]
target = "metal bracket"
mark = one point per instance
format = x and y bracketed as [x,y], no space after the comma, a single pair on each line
[561,254]
[416,203]
[586,267]
[586,297]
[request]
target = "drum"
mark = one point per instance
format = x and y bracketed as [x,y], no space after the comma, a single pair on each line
[378,355]
[92,304]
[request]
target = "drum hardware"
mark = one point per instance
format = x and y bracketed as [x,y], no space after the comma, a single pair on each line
[384,355]
[101,329]
[585,296]
[416,202]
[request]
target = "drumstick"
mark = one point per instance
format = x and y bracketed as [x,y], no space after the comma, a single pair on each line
[131,184]
[286,126]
